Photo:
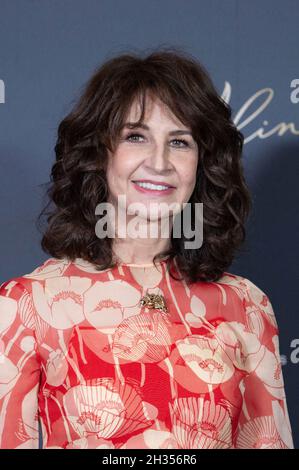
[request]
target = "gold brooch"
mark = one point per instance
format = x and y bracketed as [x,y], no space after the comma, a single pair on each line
[156,301]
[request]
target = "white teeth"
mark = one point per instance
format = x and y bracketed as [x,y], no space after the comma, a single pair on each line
[151,186]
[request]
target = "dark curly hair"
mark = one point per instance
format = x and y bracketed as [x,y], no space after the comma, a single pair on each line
[78,176]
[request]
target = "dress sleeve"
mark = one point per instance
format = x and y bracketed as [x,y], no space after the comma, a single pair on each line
[264,420]
[19,369]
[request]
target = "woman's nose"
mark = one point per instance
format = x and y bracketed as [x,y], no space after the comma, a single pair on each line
[159,158]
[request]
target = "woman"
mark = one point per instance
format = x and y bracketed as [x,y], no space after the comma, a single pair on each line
[131,341]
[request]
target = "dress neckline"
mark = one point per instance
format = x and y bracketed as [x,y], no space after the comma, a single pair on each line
[144,265]
[81,261]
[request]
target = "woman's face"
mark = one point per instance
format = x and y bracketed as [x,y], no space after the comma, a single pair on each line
[164,153]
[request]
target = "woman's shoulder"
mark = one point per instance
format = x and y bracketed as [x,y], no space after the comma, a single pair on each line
[50,268]
[241,284]
[232,282]
[252,297]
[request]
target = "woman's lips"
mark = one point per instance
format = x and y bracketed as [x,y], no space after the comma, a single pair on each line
[153,192]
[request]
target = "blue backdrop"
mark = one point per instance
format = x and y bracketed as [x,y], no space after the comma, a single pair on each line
[49,49]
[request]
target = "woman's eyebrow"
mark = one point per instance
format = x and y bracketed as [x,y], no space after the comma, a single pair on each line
[133,125]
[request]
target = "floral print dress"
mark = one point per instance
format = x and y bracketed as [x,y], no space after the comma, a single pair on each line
[81,355]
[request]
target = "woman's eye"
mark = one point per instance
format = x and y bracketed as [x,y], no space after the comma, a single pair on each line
[182,141]
[133,135]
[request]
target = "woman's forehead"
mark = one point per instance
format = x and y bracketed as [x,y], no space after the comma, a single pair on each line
[153,107]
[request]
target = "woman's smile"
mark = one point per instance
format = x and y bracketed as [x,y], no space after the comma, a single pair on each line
[153,188]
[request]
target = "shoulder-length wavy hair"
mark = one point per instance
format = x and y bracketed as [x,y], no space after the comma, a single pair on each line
[78,176]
